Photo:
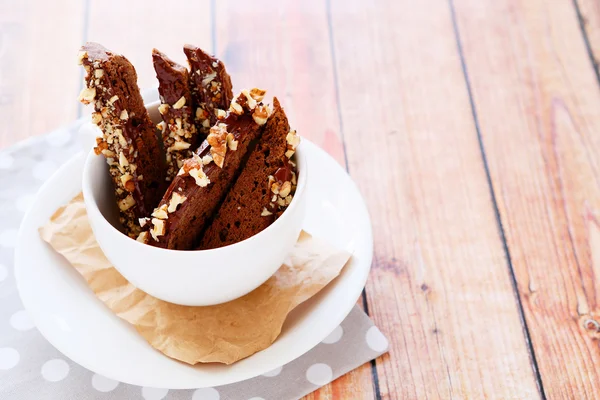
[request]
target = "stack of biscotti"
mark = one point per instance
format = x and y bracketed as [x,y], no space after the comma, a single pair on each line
[235,184]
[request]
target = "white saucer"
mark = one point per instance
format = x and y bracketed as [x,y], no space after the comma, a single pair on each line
[73,320]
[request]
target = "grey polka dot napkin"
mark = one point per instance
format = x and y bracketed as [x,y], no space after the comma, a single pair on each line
[30,368]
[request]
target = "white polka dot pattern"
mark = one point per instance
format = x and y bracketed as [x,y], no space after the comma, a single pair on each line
[9,358]
[206,394]
[375,339]
[154,393]
[273,372]
[21,321]
[334,336]
[55,370]
[319,374]
[103,384]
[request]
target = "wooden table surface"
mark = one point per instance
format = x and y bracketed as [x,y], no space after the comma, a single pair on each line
[472,128]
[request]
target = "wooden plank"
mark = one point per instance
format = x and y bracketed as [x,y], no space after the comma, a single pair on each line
[141,25]
[282,47]
[537,99]
[590,18]
[440,287]
[39,76]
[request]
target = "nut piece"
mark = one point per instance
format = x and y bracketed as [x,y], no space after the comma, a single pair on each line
[113,99]
[231,142]
[126,180]
[123,160]
[285,190]
[207,159]
[87,95]
[221,114]
[176,200]
[81,56]
[257,94]
[143,221]
[142,237]
[208,78]
[158,228]
[126,203]
[180,146]
[235,107]
[160,212]
[265,212]
[180,103]
[261,114]
[99,73]
[96,118]
[124,115]
[293,140]
[163,108]
[217,138]
[199,176]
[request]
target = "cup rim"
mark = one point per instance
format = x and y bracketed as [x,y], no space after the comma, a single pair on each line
[90,200]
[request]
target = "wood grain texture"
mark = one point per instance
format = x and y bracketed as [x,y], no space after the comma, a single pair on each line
[440,287]
[141,25]
[283,47]
[39,76]
[590,18]
[537,101]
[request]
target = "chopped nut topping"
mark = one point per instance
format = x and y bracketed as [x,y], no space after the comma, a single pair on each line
[125,179]
[275,188]
[200,177]
[179,146]
[142,237]
[113,99]
[217,139]
[99,73]
[96,118]
[285,190]
[201,113]
[250,101]
[265,212]
[121,138]
[261,114]
[221,114]
[163,108]
[158,228]
[176,199]
[126,203]
[288,200]
[81,56]
[207,159]
[124,115]
[143,221]
[235,107]
[231,142]
[180,103]
[123,160]
[289,153]
[257,94]
[208,78]
[161,212]
[87,95]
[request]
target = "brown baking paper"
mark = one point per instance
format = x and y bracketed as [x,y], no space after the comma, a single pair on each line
[223,333]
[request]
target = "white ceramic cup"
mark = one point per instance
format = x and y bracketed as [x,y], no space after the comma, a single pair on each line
[193,278]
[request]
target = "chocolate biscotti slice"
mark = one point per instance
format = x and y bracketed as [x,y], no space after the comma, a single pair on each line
[179,133]
[210,85]
[129,140]
[263,190]
[202,183]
